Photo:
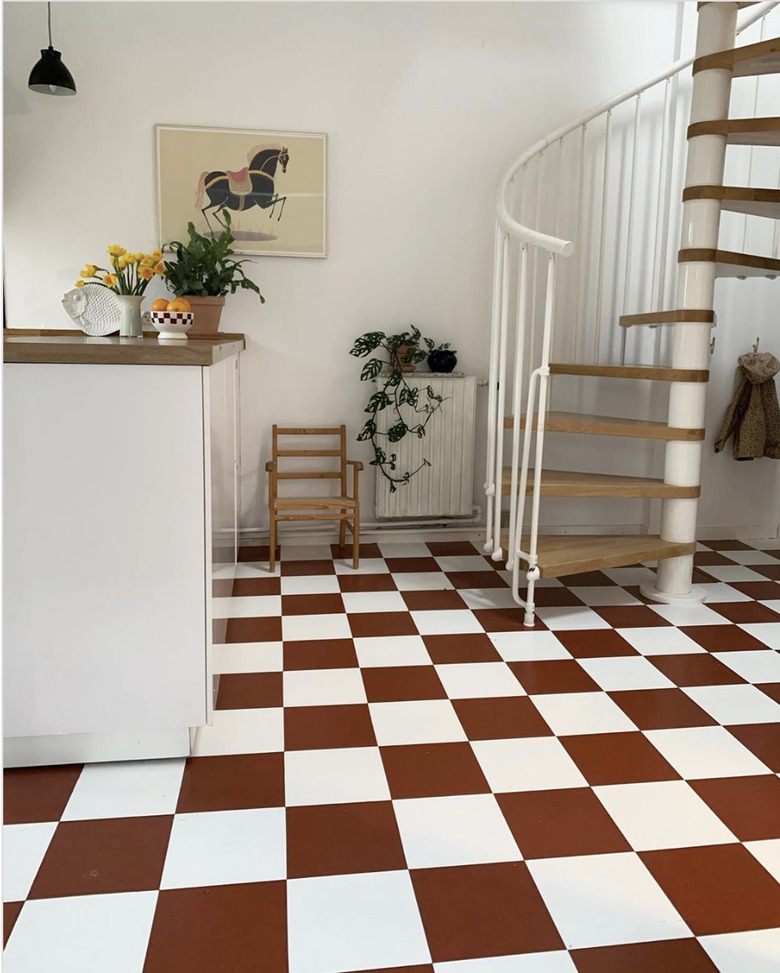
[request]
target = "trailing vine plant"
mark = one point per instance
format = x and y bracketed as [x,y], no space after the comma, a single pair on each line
[393,392]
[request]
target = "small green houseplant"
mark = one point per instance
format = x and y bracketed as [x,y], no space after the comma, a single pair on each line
[205,272]
[392,393]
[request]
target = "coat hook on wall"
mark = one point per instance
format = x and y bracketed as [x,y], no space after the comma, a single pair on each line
[755,346]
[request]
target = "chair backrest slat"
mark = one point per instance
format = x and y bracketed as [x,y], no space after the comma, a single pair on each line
[341,453]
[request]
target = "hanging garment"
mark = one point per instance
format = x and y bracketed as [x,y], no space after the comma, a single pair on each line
[754,414]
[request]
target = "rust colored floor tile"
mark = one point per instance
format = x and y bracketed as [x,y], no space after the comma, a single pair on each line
[222,588]
[588,579]
[366,582]
[772,689]
[695,670]
[506,620]
[559,823]
[298,568]
[11,912]
[372,624]
[555,598]
[345,552]
[500,718]
[232,783]
[312,604]
[771,571]
[249,690]
[320,654]
[256,586]
[223,927]
[476,579]
[37,793]
[254,630]
[727,545]
[433,600]
[257,552]
[763,740]
[631,616]
[386,684]
[700,577]
[554,676]
[666,956]
[661,709]
[710,559]
[717,888]
[342,839]
[745,612]
[483,910]
[453,549]
[433,770]
[460,648]
[328,727]
[112,855]
[760,590]
[748,806]
[617,758]
[595,643]
[409,565]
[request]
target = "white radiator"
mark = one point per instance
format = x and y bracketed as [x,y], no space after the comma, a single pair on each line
[445,488]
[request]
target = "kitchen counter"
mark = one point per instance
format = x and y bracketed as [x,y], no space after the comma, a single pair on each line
[77,348]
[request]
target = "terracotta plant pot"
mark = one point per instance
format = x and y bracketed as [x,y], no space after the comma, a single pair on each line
[396,356]
[207,311]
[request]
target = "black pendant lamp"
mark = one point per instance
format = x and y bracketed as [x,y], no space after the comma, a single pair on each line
[50,76]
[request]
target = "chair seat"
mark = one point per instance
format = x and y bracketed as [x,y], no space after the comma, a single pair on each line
[311,503]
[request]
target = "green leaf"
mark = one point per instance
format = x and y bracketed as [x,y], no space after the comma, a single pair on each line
[371,369]
[366,343]
[396,432]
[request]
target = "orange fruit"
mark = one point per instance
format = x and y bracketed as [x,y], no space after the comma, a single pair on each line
[180,304]
[160,304]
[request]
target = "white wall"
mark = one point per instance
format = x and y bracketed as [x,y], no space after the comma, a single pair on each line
[425,106]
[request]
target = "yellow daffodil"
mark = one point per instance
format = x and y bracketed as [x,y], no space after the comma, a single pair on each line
[147,262]
[116,251]
[160,269]
[156,254]
[139,257]
[79,283]
[122,261]
[145,273]
[89,271]
[109,280]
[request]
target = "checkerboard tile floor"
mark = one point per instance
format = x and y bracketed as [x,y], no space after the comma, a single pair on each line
[400,776]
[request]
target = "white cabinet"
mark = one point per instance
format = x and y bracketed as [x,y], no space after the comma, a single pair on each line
[119,480]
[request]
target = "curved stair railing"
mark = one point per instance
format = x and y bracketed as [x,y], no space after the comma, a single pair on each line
[622,206]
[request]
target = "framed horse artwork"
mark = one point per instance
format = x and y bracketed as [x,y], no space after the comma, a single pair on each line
[274,184]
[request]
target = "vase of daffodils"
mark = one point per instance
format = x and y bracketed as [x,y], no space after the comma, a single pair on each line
[128,278]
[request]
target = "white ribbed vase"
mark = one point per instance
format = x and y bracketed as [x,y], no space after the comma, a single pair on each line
[130,315]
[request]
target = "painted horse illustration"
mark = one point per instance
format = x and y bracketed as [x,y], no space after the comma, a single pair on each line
[251,186]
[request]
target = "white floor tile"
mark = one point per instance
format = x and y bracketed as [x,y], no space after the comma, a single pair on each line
[571,617]
[528,646]
[323,687]
[602,900]
[253,569]
[735,705]
[82,934]
[368,565]
[557,961]
[454,622]
[740,952]
[699,752]
[664,814]
[465,563]
[768,853]
[394,650]
[354,922]
[765,544]
[749,557]
[305,552]
[479,680]
[772,605]
[334,776]
[415,721]
[766,632]
[241,731]
[527,764]
[24,846]
[123,790]
[477,598]
[576,713]
[373,601]
[718,592]
[306,627]
[248,657]
[423,581]
[731,572]
[660,640]
[249,606]
[630,577]
[604,595]
[625,672]
[756,667]
[404,550]
[226,848]
[464,830]
[310,584]
[689,615]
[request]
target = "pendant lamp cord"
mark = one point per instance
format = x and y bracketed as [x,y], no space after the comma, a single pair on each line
[48,5]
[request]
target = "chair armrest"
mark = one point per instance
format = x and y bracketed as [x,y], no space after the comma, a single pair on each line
[356,463]
[270,466]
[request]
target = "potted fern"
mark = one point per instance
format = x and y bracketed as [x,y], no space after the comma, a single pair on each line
[205,272]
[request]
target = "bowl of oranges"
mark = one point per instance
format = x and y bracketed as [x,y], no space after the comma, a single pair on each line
[173,319]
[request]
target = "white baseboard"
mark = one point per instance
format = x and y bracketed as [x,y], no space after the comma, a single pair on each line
[78,748]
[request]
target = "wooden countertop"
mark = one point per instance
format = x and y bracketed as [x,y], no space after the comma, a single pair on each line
[76,348]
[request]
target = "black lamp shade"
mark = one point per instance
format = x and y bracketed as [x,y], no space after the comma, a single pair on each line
[50,76]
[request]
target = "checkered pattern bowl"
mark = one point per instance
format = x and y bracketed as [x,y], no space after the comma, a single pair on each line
[172,324]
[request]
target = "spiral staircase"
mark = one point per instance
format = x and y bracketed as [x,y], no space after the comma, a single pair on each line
[556,301]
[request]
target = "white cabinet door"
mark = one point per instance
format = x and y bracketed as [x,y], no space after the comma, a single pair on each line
[104,549]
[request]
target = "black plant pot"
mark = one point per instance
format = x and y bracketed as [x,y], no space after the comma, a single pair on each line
[442,361]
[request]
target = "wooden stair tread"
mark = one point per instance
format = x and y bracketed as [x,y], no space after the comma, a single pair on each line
[571,483]
[575,422]
[740,131]
[739,199]
[563,554]
[747,61]
[649,372]
[656,319]
[731,264]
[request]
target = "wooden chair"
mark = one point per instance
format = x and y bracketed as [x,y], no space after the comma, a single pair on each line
[343,508]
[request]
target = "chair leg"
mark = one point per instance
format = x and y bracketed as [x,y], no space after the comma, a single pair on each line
[342,531]
[272,540]
[356,541]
